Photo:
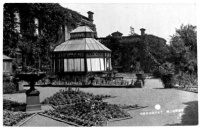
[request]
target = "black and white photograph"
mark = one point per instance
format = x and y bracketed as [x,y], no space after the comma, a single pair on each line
[109,64]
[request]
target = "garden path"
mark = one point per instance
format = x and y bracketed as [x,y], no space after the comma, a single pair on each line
[42,121]
[167,100]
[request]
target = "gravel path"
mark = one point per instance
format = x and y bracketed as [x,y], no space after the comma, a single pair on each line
[40,121]
[152,94]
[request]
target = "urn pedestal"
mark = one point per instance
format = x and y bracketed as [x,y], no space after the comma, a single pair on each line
[33,100]
[32,95]
[140,81]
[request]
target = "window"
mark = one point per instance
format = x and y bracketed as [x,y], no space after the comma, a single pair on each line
[95,64]
[7,66]
[71,65]
[102,64]
[89,67]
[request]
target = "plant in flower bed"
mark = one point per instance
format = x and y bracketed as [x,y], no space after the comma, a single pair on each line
[128,106]
[89,113]
[71,96]
[11,118]
[12,105]
[12,112]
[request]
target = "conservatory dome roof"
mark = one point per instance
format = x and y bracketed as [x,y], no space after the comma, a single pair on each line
[81,40]
[82,29]
[84,44]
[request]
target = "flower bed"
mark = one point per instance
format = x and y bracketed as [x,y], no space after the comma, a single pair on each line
[12,112]
[11,118]
[70,96]
[128,106]
[14,106]
[90,113]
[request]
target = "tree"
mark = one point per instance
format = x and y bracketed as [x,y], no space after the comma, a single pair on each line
[183,48]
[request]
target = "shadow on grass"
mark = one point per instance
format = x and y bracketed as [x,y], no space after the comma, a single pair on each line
[179,89]
[190,116]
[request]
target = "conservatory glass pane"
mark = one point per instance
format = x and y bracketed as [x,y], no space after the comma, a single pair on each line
[82,65]
[95,64]
[71,65]
[102,64]
[77,64]
[110,64]
[89,65]
[65,65]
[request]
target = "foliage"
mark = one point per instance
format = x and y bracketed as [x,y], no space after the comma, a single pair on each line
[35,48]
[9,87]
[166,68]
[89,113]
[83,108]
[11,118]
[186,80]
[12,112]
[116,48]
[150,51]
[167,74]
[168,80]
[70,97]
[183,48]
[12,105]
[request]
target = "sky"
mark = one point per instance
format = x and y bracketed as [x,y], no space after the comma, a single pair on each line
[158,19]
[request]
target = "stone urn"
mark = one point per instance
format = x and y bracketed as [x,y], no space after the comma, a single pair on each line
[51,79]
[92,80]
[32,95]
[140,80]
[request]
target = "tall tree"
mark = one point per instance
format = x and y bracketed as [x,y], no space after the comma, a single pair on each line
[183,47]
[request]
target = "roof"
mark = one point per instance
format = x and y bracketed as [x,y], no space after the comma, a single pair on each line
[83,44]
[116,33]
[6,57]
[82,29]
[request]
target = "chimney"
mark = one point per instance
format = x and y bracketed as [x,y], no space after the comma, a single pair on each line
[142,31]
[90,16]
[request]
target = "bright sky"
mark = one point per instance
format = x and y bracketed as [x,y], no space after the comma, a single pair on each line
[158,19]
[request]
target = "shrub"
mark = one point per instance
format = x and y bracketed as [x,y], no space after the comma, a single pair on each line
[13,105]
[9,87]
[156,73]
[11,118]
[167,74]
[186,80]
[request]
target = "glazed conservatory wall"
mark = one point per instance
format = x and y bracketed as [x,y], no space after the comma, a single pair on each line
[95,64]
[78,65]
[71,65]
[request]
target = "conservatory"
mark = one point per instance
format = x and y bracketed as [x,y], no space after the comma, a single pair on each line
[81,54]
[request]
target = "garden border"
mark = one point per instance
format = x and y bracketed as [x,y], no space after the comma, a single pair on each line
[119,119]
[60,120]
[20,123]
[182,89]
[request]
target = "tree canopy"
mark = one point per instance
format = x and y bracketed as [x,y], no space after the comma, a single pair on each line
[183,49]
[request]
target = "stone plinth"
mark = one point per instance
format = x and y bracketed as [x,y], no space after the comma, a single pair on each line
[33,100]
[138,84]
